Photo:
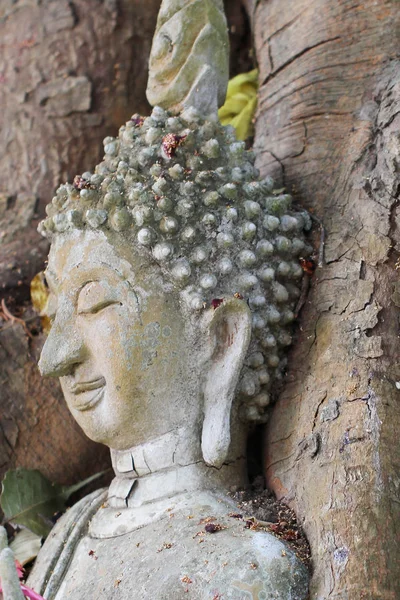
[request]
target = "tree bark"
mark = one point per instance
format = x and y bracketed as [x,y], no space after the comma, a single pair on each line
[70,74]
[328,129]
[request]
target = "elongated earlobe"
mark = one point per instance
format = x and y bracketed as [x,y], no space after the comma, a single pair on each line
[230,332]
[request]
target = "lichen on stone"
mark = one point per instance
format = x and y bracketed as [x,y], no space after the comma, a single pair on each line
[188,194]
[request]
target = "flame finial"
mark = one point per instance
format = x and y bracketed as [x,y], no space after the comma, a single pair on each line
[189,60]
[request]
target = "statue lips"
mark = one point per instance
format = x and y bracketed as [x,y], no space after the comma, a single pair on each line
[84,400]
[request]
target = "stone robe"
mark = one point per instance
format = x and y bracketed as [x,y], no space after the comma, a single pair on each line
[191,546]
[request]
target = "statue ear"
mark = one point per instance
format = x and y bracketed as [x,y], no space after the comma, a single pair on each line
[230,332]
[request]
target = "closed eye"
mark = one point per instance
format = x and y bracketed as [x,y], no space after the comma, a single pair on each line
[95,308]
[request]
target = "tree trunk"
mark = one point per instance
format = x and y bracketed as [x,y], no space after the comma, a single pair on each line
[328,129]
[70,74]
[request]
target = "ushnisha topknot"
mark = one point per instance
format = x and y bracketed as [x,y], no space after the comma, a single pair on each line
[188,194]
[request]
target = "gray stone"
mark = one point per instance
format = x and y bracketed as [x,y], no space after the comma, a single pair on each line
[183,547]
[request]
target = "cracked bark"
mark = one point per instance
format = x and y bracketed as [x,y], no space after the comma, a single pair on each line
[328,121]
[70,74]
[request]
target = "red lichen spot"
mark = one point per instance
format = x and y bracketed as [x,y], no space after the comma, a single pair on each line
[199,533]
[213,527]
[165,546]
[216,302]
[206,520]
[137,120]
[307,265]
[80,183]
[186,579]
[170,142]
[235,515]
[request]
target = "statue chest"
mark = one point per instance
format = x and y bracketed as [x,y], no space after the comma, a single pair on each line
[184,558]
[164,561]
[191,550]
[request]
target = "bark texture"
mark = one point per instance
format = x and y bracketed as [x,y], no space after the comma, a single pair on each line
[70,74]
[328,128]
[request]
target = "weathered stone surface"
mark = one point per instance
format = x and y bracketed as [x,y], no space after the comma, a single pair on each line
[189,60]
[184,192]
[190,547]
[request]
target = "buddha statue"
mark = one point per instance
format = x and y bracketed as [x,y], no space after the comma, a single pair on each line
[173,276]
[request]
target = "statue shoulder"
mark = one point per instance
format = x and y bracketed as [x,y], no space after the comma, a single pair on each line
[55,555]
[211,553]
[253,564]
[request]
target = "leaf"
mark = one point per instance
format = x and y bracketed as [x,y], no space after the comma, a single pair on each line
[39,292]
[244,82]
[39,297]
[26,546]
[234,105]
[240,104]
[29,499]
[243,122]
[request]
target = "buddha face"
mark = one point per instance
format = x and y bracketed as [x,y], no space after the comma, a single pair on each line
[118,342]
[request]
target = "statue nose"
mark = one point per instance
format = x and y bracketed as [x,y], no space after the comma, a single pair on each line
[63,350]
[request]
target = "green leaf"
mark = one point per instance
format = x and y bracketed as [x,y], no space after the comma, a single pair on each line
[243,122]
[240,104]
[30,499]
[244,82]
[68,490]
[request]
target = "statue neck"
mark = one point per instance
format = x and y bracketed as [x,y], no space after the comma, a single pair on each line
[166,466]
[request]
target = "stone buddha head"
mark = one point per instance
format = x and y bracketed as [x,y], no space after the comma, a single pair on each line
[173,276]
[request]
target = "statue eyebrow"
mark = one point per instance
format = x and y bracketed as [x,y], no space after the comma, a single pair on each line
[119,273]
